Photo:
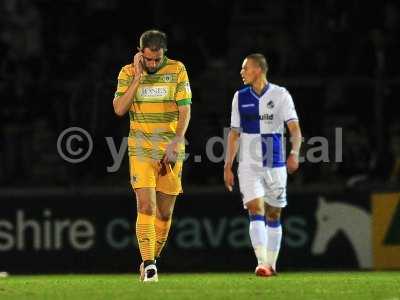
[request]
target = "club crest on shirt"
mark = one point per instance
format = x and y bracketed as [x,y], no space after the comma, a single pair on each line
[167,78]
[270,104]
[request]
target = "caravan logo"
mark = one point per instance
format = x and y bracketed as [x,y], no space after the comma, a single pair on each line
[355,223]
[386,230]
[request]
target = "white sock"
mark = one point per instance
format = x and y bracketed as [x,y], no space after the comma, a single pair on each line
[258,237]
[274,236]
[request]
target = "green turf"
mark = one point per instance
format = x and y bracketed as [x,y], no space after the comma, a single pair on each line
[318,285]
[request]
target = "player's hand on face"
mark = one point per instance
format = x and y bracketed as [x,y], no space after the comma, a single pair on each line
[229,178]
[138,63]
[292,163]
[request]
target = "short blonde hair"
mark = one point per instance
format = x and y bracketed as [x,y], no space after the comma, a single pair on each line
[260,60]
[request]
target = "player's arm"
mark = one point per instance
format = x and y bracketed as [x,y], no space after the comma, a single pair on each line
[183,98]
[231,151]
[295,140]
[183,123]
[122,104]
[232,144]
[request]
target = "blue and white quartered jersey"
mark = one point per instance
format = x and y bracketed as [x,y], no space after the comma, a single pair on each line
[261,120]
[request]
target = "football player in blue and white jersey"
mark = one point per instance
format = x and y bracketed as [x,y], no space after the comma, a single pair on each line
[259,114]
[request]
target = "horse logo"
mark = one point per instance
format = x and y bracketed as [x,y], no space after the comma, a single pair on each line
[355,223]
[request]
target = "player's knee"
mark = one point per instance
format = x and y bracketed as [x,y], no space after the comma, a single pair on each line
[164,216]
[273,215]
[256,210]
[147,211]
[255,207]
[147,208]
[164,213]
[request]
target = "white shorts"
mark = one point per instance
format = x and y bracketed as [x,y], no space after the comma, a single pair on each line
[268,183]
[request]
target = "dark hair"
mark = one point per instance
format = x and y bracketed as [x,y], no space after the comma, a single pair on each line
[154,40]
[260,60]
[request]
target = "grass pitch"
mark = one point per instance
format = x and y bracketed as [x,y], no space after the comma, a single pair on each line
[316,285]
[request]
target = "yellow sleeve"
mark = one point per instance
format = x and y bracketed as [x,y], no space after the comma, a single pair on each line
[124,80]
[183,93]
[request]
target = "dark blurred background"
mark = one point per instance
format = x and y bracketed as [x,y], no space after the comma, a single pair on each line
[58,69]
[60,61]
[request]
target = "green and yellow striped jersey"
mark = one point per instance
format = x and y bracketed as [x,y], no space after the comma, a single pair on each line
[154,112]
